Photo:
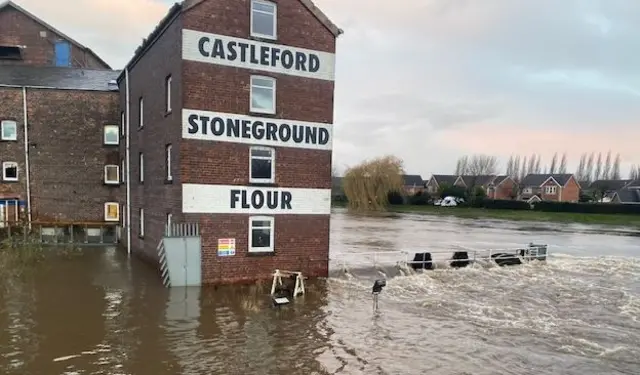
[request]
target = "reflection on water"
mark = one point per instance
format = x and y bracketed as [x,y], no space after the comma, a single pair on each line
[102,313]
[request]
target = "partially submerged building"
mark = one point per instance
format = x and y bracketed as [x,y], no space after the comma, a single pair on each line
[230,128]
[58,129]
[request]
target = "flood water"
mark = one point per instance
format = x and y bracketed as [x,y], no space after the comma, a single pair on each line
[102,313]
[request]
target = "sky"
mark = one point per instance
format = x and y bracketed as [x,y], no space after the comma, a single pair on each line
[432,80]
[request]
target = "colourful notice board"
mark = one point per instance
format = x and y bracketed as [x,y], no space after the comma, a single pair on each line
[226,247]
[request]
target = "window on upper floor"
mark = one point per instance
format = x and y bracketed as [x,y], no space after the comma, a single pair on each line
[140,112]
[111,174]
[167,156]
[141,166]
[263,95]
[122,170]
[8,130]
[10,171]
[141,223]
[123,125]
[167,94]
[111,137]
[10,53]
[262,165]
[264,15]
[550,189]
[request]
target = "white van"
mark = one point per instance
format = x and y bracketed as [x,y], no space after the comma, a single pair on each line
[449,202]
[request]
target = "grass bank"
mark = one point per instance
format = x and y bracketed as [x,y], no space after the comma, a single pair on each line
[520,215]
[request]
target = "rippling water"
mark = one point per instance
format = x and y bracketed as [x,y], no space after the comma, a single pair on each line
[101,313]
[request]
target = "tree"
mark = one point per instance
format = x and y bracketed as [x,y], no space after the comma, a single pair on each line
[606,169]
[516,167]
[367,185]
[588,172]
[537,166]
[580,171]
[510,166]
[615,169]
[634,173]
[478,165]
[563,164]
[554,164]
[524,171]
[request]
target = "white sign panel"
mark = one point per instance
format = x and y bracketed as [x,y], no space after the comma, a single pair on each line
[226,127]
[230,199]
[251,54]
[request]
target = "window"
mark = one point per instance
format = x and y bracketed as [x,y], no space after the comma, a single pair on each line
[264,19]
[111,174]
[527,190]
[123,128]
[10,53]
[262,165]
[141,227]
[111,211]
[140,112]
[169,221]
[9,130]
[550,189]
[167,94]
[261,234]
[263,95]
[10,171]
[167,156]
[122,171]
[111,135]
[141,166]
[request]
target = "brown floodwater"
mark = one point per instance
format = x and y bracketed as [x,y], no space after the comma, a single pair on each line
[100,312]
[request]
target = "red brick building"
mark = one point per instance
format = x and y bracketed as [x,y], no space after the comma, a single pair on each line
[230,127]
[59,122]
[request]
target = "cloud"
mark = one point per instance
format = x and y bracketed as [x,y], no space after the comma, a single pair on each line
[431,80]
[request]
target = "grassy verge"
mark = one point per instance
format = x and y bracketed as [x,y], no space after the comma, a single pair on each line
[520,215]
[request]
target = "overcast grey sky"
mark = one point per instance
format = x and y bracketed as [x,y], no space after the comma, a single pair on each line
[431,80]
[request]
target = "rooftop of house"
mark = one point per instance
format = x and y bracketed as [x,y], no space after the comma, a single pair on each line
[448,179]
[607,185]
[539,179]
[498,179]
[479,180]
[62,78]
[413,179]
[628,195]
[10,4]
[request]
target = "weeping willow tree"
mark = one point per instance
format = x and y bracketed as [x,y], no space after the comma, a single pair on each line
[367,185]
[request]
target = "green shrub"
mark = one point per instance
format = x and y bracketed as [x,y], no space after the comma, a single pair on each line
[588,208]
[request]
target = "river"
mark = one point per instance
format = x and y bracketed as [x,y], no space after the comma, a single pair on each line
[102,313]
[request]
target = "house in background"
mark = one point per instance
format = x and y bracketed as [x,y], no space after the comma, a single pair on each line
[413,184]
[628,194]
[438,180]
[604,190]
[502,187]
[27,40]
[550,187]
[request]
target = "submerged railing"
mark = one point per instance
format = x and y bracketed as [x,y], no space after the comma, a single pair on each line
[60,232]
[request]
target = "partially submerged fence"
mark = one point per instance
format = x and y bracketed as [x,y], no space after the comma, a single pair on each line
[59,232]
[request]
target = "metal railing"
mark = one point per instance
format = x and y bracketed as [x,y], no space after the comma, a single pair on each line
[182,230]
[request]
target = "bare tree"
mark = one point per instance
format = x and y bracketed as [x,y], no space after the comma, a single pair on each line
[597,174]
[462,165]
[516,167]
[606,169]
[510,165]
[482,165]
[563,164]
[615,168]
[580,171]
[588,172]
[634,173]
[554,164]
[532,164]
[523,169]
[537,167]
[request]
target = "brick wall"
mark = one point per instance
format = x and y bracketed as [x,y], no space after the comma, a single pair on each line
[155,195]
[66,152]
[16,28]
[301,241]
[571,191]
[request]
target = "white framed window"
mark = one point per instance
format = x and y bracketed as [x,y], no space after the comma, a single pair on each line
[9,171]
[263,95]
[264,19]
[167,156]
[111,174]
[141,166]
[262,164]
[122,124]
[111,211]
[140,112]
[111,136]
[550,189]
[261,231]
[8,130]
[141,224]
[527,190]
[167,93]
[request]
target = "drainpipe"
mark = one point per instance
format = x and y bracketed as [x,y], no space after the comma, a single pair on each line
[26,154]
[128,159]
